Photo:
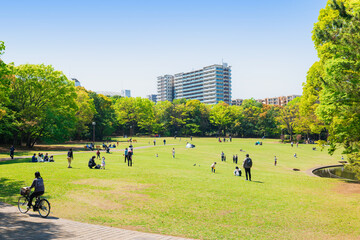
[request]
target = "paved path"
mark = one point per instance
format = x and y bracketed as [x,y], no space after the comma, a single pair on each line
[14,225]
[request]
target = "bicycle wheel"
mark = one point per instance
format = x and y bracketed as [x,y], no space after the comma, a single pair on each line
[44,208]
[23,204]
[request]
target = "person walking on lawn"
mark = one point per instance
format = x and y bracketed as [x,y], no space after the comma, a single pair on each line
[12,151]
[70,157]
[130,153]
[247,166]
[126,154]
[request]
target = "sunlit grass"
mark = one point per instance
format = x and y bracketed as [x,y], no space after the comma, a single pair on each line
[174,197]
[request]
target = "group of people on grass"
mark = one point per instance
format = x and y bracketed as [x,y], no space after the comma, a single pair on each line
[92,163]
[41,158]
[128,153]
[224,139]
[247,164]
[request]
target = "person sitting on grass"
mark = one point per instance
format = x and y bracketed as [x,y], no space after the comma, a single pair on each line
[51,159]
[34,159]
[237,171]
[46,158]
[92,162]
[40,159]
[38,184]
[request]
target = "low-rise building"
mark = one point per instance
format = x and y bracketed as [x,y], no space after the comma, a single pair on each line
[237,102]
[152,97]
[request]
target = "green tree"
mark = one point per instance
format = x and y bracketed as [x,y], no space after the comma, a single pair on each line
[287,117]
[104,116]
[5,76]
[221,117]
[197,118]
[136,114]
[308,122]
[251,111]
[267,124]
[162,111]
[85,113]
[42,101]
[336,37]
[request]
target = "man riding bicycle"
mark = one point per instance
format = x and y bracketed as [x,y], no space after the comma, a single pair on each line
[38,184]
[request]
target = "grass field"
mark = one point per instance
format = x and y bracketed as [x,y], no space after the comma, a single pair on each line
[174,197]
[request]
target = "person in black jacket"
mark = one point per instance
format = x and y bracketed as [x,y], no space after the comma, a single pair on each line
[12,151]
[247,166]
[92,162]
[38,184]
[70,157]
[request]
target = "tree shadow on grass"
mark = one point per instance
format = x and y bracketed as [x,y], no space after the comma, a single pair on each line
[18,226]
[10,189]
[18,160]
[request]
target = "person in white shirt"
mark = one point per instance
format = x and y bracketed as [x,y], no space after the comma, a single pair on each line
[237,172]
[103,163]
[213,167]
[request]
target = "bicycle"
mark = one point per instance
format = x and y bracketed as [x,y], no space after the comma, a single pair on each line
[42,205]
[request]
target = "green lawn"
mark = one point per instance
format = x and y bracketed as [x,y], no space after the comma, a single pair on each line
[174,197]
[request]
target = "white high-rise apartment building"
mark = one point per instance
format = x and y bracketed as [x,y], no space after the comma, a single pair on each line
[210,84]
[165,88]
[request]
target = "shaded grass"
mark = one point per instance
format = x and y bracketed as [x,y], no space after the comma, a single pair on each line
[171,196]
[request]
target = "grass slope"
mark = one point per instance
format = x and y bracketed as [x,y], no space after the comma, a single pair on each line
[171,196]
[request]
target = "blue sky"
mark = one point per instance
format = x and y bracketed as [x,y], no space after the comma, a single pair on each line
[114,45]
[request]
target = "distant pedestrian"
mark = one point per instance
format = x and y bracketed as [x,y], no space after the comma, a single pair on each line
[98,154]
[224,139]
[154,142]
[236,159]
[222,156]
[247,166]
[173,152]
[190,138]
[164,141]
[103,163]
[292,144]
[12,152]
[275,161]
[126,154]
[213,167]
[297,144]
[233,158]
[295,156]
[130,158]
[70,157]
[230,138]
